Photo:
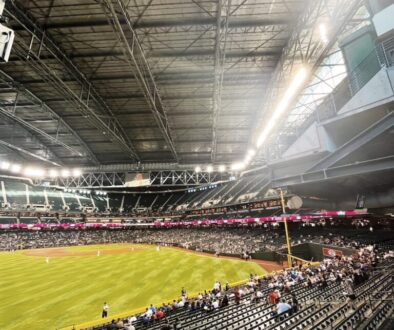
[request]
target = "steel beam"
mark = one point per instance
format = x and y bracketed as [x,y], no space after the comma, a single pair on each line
[222,21]
[306,48]
[43,107]
[203,52]
[168,178]
[135,56]
[89,103]
[27,152]
[367,135]
[169,23]
[364,167]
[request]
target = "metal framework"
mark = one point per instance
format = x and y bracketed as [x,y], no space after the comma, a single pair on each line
[89,103]
[116,11]
[27,152]
[368,166]
[24,98]
[372,132]
[173,178]
[306,47]
[222,17]
[92,180]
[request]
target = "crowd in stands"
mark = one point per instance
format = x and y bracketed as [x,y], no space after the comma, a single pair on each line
[220,240]
[278,291]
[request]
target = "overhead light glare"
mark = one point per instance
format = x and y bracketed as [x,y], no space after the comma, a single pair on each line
[65,173]
[222,168]
[5,165]
[251,152]
[238,166]
[209,168]
[35,172]
[76,172]
[323,33]
[289,95]
[197,169]
[53,173]
[15,168]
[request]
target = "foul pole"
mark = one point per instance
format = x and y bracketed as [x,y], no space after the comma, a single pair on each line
[282,200]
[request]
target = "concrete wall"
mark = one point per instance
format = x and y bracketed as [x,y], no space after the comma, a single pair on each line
[378,91]
[383,21]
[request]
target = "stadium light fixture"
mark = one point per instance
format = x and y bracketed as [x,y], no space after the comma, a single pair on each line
[16,168]
[197,169]
[34,172]
[284,103]
[249,156]
[5,165]
[222,168]
[323,33]
[238,166]
[53,173]
[251,152]
[76,172]
[209,168]
[65,173]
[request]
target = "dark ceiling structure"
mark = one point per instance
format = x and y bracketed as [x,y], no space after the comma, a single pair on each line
[108,82]
[188,92]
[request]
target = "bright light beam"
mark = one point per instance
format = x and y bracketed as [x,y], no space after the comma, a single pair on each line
[291,92]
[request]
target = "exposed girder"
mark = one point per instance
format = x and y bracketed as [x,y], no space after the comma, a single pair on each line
[51,156]
[305,46]
[222,21]
[34,100]
[27,152]
[166,23]
[88,95]
[364,167]
[367,135]
[134,54]
[158,178]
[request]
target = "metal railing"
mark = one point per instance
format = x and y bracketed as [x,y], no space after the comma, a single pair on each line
[367,69]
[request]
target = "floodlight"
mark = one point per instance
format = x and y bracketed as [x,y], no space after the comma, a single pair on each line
[36,172]
[323,33]
[209,168]
[238,166]
[16,168]
[251,152]
[5,165]
[53,173]
[197,169]
[222,168]
[65,173]
[76,172]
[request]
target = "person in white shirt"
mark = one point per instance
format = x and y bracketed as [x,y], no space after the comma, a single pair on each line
[215,304]
[129,327]
[105,310]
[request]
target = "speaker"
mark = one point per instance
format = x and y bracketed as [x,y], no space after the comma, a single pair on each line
[6,39]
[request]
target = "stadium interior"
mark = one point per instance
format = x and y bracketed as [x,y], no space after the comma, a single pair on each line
[251,131]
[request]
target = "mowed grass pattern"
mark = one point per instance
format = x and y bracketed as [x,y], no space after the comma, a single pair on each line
[37,295]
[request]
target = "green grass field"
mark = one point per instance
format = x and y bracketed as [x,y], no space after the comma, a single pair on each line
[72,289]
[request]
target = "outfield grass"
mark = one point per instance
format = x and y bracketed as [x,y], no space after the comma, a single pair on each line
[67,290]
